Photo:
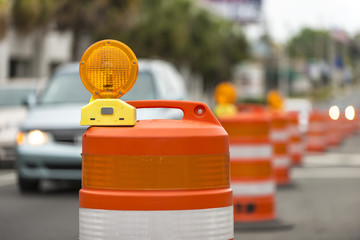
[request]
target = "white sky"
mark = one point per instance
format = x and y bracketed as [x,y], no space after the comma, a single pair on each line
[286,17]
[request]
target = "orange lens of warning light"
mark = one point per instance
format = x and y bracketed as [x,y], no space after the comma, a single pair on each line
[225,93]
[108,69]
[275,100]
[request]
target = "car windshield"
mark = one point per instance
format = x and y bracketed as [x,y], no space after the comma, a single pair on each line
[14,97]
[68,88]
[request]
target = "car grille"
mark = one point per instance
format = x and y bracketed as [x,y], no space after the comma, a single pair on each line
[67,136]
[64,166]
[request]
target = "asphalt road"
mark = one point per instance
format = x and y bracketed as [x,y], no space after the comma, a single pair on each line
[323,204]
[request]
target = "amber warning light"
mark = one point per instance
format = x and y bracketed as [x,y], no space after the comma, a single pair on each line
[108,69]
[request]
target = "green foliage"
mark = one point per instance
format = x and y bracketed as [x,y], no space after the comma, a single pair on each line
[4,16]
[176,30]
[309,44]
[28,15]
[186,34]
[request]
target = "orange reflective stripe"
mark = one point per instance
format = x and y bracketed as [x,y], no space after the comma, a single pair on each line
[279,123]
[253,170]
[280,148]
[247,129]
[295,138]
[156,172]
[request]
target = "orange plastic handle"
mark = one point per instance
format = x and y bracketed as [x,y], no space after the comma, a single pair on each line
[194,111]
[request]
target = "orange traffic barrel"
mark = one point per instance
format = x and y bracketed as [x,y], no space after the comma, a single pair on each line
[252,177]
[356,123]
[279,137]
[333,132]
[316,135]
[159,179]
[296,149]
[342,127]
[347,128]
[280,140]
[252,173]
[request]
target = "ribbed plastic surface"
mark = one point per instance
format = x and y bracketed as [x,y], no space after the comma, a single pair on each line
[107,68]
[156,172]
[204,224]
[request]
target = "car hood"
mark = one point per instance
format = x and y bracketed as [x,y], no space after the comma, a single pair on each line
[54,117]
[11,116]
[68,116]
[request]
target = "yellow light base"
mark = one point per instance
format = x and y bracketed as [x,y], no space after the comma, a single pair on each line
[108,112]
[225,110]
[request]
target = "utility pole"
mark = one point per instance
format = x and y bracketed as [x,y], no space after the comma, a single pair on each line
[331,62]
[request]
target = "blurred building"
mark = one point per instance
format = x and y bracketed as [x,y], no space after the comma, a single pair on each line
[249,79]
[33,55]
[242,11]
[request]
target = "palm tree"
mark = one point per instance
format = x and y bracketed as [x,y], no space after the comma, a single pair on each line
[91,17]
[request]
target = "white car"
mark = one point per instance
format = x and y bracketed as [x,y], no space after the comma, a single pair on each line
[55,120]
[12,113]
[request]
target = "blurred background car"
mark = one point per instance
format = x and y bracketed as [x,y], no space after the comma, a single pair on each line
[49,144]
[12,113]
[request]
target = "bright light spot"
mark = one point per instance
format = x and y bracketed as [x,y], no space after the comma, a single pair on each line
[37,137]
[334,112]
[350,112]
[20,138]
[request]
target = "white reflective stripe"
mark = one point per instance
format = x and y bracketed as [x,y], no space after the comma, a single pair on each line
[317,127]
[315,140]
[293,130]
[279,135]
[250,151]
[253,188]
[281,161]
[204,224]
[295,148]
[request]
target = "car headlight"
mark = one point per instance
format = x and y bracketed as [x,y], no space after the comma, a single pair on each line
[37,137]
[34,138]
[350,112]
[334,112]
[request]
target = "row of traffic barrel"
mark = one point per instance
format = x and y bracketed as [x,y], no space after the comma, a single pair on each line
[265,144]
[260,141]
[325,131]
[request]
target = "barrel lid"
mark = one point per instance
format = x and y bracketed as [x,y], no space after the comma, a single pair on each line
[194,134]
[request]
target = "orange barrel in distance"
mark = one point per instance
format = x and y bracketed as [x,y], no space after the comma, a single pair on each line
[159,179]
[333,132]
[280,140]
[346,127]
[252,177]
[356,123]
[296,149]
[316,135]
